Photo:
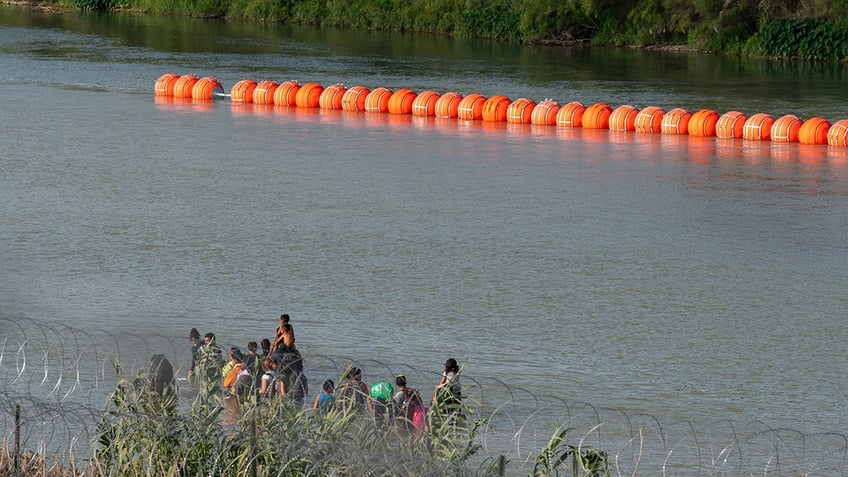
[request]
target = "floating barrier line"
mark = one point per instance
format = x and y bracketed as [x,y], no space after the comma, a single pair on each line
[498,108]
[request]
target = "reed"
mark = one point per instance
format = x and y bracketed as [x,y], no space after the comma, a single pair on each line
[142,434]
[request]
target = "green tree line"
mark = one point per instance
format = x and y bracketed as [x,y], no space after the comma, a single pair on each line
[809,29]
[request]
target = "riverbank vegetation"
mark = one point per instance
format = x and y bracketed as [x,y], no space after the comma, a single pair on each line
[142,433]
[812,30]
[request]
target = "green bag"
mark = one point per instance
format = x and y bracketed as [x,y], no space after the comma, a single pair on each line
[382,390]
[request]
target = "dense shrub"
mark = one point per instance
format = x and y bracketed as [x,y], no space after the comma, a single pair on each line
[811,30]
[810,39]
[95,5]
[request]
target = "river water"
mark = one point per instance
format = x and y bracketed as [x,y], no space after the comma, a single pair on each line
[692,280]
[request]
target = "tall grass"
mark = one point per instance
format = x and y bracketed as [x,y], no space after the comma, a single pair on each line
[143,434]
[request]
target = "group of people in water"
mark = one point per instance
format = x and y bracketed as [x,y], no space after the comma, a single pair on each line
[273,369]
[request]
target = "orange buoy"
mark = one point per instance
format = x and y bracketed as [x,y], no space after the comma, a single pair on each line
[676,121]
[286,93]
[544,113]
[597,116]
[377,100]
[206,88]
[184,85]
[447,106]
[242,91]
[471,107]
[331,97]
[758,127]
[649,120]
[814,131]
[354,98]
[570,115]
[731,125]
[309,95]
[623,118]
[837,135]
[425,103]
[495,108]
[703,123]
[400,102]
[520,111]
[263,93]
[165,84]
[785,128]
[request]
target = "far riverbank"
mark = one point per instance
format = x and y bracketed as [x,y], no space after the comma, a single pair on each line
[757,29]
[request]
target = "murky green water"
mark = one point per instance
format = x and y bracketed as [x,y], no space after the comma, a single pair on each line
[680,278]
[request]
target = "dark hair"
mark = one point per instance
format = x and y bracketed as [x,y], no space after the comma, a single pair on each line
[450,365]
[266,344]
[194,333]
[400,380]
[328,385]
[353,372]
[236,354]
[251,346]
[286,327]
[211,336]
[284,318]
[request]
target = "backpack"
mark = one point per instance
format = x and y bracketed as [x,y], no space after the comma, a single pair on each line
[290,372]
[244,385]
[415,412]
[350,397]
[287,359]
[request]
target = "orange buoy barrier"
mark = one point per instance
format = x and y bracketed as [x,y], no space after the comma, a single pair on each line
[623,118]
[263,93]
[425,103]
[377,100]
[731,125]
[495,108]
[286,93]
[758,127]
[242,91]
[837,135]
[785,128]
[703,123]
[447,105]
[331,97]
[184,85]
[471,107]
[597,116]
[165,84]
[354,98]
[400,102]
[206,88]
[544,113]
[309,95]
[814,131]
[520,111]
[570,115]
[676,121]
[649,120]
